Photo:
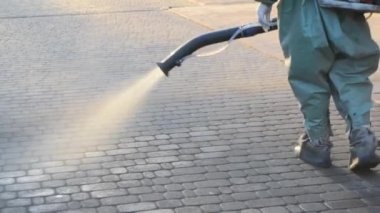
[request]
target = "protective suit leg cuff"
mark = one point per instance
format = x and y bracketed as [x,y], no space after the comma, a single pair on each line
[316,153]
[363,145]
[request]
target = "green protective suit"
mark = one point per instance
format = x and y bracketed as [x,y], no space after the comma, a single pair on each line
[330,53]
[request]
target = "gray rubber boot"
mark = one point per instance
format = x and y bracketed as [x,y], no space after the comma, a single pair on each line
[363,145]
[316,153]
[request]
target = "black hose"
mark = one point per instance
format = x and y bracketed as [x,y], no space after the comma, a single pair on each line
[178,55]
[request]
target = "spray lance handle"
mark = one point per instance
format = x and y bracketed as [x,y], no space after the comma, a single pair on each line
[182,52]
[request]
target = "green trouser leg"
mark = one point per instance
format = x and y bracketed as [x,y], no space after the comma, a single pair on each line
[310,58]
[325,52]
[356,58]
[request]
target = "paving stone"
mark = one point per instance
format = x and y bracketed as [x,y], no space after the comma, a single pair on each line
[12,174]
[189,186]
[168,204]
[144,168]
[119,200]
[98,186]
[36,192]
[14,210]
[188,178]
[38,200]
[140,190]
[143,206]
[106,209]
[53,183]
[159,211]
[119,170]
[313,207]
[148,174]
[74,205]
[265,202]
[97,172]
[131,176]
[161,181]
[174,195]
[189,193]
[188,210]
[174,187]
[90,203]
[63,176]
[372,209]
[250,211]
[294,209]
[158,188]
[80,196]
[61,169]
[217,175]
[121,151]
[110,178]
[232,206]
[188,170]
[341,195]
[47,164]
[294,191]
[68,189]
[212,183]
[151,197]
[289,200]
[233,166]
[248,187]
[207,191]
[19,202]
[57,198]
[7,181]
[162,173]
[335,211]
[118,164]
[129,183]
[94,154]
[226,198]
[243,196]
[167,159]
[8,195]
[345,204]
[82,181]
[48,208]
[309,198]
[84,210]
[108,193]
[274,210]
[211,208]
[22,186]
[372,200]
[203,200]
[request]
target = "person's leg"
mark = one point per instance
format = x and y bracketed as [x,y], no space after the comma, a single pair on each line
[357,57]
[310,58]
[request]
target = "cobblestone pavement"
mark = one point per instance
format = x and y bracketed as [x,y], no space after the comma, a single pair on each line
[216,136]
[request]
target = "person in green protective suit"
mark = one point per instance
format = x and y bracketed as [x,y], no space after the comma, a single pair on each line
[331,54]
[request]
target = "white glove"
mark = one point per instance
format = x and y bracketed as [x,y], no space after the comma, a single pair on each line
[264,12]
